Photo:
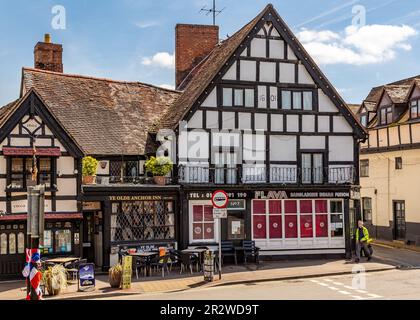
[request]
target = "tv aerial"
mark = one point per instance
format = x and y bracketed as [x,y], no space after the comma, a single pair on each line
[213,11]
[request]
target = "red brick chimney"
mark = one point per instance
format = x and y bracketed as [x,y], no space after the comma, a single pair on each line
[48,56]
[192,44]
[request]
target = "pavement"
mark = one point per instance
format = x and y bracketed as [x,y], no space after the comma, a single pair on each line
[385,258]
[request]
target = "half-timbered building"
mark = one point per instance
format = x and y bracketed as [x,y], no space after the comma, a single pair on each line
[259,119]
[252,115]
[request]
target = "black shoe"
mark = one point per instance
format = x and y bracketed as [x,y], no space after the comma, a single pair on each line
[357,260]
[369,258]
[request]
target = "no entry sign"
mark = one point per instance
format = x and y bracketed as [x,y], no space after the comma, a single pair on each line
[219,199]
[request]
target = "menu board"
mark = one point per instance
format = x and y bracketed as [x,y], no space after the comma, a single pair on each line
[127,271]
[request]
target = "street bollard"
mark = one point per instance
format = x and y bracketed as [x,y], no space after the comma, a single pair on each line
[208,266]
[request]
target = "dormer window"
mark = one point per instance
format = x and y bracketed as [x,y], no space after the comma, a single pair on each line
[364,119]
[414,109]
[386,115]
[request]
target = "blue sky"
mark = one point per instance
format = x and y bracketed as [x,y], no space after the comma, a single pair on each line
[134,39]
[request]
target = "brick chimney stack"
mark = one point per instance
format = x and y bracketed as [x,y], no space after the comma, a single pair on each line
[192,44]
[48,56]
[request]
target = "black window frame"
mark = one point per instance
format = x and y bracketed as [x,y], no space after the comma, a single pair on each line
[367,210]
[233,88]
[383,115]
[416,106]
[364,164]
[25,175]
[52,226]
[398,163]
[365,117]
[292,103]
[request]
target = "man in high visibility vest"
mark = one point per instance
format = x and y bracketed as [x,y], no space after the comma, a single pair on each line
[362,241]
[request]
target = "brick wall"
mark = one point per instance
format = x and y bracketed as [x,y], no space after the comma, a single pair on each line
[48,56]
[192,44]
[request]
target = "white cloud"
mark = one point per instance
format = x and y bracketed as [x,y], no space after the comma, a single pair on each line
[369,44]
[160,59]
[145,24]
[167,86]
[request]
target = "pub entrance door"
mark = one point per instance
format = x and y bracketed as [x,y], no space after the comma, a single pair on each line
[399,220]
[92,237]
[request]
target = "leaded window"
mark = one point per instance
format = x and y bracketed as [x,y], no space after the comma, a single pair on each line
[142,220]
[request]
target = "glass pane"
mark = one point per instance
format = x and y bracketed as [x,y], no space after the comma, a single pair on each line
[17,180]
[21,242]
[322,225]
[197,213]
[3,243]
[297,100]
[12,243]
[239,97]
[198,233]
[62,241]
[336,206]
[290,206]
[291,226]
[306,227]
[236,228]
[383,116]
[275,227]
[389,116]
[286,100]
[306,168]
[317,170]
[45,178]
[321,206]
[305,206]
[209,231]
[48,245]
[227,97]
[274,207]
[45,164]
[336,225]
[17,165]
[249,98]
[273,98]
[307,100]
[258,207]
[208,213]
[414,112]
[259,227]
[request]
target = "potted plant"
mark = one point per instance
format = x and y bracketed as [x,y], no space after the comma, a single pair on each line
[55,279]
[159,167]
[115,275]
[89,167]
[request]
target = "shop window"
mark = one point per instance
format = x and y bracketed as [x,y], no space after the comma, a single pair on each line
[62,241]
[367,209]
[12,243]
[290,218]
[203,223]
[236,228]
[321,218]
[259,219]
[336,218]
[306,219]
[275,230]
[3,243]
[48,245]
[142,220]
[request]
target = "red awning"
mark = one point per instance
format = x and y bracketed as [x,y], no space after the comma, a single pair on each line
[21,151]
[48,216]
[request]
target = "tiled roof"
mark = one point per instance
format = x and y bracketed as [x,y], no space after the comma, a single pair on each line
[376,92]
[7,109]
[353,107]
[397,93]
[201,76]
[105,117]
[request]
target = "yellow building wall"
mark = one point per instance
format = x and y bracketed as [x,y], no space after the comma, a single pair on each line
[386,184]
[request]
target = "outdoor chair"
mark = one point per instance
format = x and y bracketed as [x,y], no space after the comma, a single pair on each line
[187,261]
[160,263]
[228,250]
[139,264]
[250,250]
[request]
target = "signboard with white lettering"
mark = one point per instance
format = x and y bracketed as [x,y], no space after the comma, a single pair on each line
[219,213]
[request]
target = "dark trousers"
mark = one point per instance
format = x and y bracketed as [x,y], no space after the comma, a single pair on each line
[359,247]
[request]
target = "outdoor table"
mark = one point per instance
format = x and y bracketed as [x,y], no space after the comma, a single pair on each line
[148,256]
[62,260]
[199,252]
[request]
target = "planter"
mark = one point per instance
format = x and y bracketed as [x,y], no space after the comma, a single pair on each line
[53,291]
[160,180]
[89,180]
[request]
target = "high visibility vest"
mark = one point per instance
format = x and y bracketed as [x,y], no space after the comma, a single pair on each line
[366,237]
